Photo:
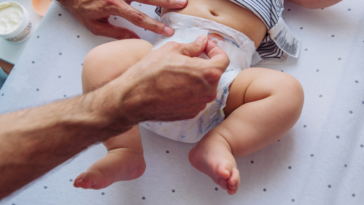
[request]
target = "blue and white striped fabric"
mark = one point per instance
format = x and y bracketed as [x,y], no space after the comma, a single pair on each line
[279,43]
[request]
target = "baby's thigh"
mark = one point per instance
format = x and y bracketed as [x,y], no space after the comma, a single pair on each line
[108,61]
[255,84]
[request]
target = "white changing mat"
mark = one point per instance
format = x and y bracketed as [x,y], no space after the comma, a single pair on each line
[320,161]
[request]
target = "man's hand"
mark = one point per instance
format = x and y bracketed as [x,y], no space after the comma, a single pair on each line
[94,15]
[171,83]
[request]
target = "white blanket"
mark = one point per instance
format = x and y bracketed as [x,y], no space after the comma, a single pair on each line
[320,161]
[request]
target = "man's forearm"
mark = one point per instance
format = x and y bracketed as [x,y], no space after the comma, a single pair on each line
[36,140]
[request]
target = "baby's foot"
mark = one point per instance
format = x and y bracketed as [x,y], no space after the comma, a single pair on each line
[118,165]
[216,160]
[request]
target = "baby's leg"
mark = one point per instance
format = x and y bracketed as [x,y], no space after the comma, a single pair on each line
[262,106]
[125,160]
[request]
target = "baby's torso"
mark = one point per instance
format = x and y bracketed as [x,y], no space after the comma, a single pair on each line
[227,13]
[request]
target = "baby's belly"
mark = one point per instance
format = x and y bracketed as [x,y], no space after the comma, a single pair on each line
[227,13]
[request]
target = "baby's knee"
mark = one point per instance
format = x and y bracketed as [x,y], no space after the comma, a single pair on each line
[108,61]
[123,52]
[291,93]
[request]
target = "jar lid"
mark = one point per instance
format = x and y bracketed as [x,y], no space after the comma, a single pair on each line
[41,6]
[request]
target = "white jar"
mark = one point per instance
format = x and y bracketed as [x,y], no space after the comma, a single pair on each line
[15,25]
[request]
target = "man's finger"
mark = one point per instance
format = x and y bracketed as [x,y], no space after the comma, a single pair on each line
[109,30]
[172,4]
[140,19]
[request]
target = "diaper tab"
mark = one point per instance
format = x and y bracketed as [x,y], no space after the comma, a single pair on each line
[285,39]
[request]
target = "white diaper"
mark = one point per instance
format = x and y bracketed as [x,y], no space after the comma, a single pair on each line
[242,54]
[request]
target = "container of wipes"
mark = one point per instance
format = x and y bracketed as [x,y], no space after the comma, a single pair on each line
[15,25]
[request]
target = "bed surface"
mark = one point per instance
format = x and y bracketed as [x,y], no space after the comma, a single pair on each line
[320,161]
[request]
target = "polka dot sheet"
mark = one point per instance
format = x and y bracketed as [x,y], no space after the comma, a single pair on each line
[320,161]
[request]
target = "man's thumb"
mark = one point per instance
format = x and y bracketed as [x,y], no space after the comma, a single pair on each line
[195,48]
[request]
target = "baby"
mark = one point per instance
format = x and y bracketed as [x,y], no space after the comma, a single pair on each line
[254,107]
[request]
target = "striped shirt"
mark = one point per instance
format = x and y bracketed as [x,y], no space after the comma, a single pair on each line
[279,41]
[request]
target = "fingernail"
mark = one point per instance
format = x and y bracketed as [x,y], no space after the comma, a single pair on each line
[169,31]
[181,2]
[201,38]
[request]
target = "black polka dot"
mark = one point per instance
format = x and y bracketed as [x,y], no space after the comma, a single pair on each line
[102,193]
[59,14]
[33,62]
[13,204]
[362,102]
[37,36]
[338,137]
[361,146]
[264,189]
[167,151]
[37,89]
[71,180]
[145,29]
[140,5]
[289,167]
[356,81]
[351,112]
[216,188]
[82,64]
[329,186]
[143,198]
[345,165]
[301,28]
[45,187]
[59,76]
[2,94]
[322,8]
[282,70]
[60,54]
[278,140]
[78,36]
[173,190]
[306,49]
[293,200]
[289,9]
[115,18]
[304,126]
[349,9]
[311,155]
[320,96]
[339,59]
[317,70]
[353,195]
[332,35]
[64,95]
[252,162]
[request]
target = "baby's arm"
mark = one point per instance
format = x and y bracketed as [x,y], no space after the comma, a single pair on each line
[315,4]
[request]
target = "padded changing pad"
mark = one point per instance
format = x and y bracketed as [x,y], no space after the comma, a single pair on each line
[320,161]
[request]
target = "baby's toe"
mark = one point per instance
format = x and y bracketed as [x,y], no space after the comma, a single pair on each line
[223,183]
[78,178]
[224,171]
[234,181]
[84,184]
[231,192]
[89,180]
